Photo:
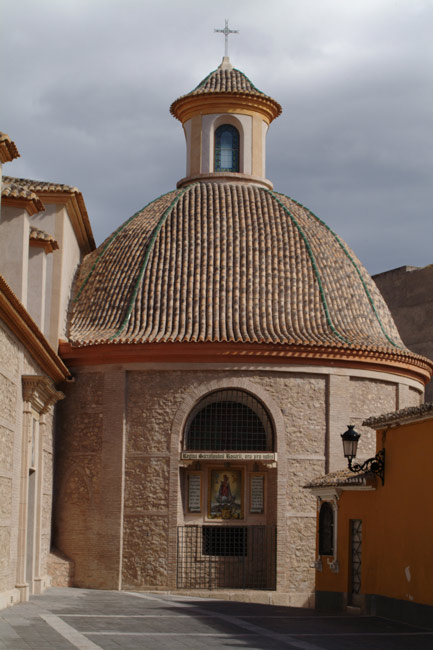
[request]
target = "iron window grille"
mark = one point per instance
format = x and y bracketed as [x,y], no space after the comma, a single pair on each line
[226,149]
[229,420]
[231,541]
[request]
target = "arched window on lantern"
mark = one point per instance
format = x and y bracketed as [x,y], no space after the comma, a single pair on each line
[229,420]
[326,529]
[226,149]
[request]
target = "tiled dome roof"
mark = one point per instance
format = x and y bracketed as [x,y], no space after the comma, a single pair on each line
[226,80]
[227,262]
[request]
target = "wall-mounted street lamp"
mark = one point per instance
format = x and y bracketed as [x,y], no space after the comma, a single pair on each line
[350,446]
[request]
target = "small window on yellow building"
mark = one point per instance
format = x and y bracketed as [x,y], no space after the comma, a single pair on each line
[326,529]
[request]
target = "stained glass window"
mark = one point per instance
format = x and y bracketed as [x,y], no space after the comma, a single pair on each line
[226,149]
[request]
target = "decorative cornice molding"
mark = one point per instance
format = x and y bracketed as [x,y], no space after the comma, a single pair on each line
[32,205]
[40,392]
[186,107]
[74,204]
[395,362]
[16,317]
[225,177]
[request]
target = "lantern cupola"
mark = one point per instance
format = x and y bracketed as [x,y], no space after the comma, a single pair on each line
[225,120]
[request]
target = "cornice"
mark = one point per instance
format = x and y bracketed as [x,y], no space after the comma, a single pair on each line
[397,363]
[16,317]
[74,203]
[186,107]
[48,245]
[31,205]
[40,392]
[225,177]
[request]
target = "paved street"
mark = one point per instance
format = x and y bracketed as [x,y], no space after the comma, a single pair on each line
[63,619]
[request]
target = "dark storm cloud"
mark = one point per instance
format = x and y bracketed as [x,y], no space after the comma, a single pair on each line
[89,85]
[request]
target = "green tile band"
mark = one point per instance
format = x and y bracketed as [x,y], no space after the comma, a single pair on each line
[110,240]
[313,263]
[355,266]
[146,258]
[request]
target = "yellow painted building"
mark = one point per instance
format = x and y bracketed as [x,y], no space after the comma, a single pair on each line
[374,541]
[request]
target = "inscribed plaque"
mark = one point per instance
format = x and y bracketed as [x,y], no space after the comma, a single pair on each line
[194,492]
[257,493]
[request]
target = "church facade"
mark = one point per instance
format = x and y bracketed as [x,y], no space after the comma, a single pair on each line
[219,342]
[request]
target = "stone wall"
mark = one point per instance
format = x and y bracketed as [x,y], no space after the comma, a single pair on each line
[10,448]
[78,473]
[15,459]
[309,408]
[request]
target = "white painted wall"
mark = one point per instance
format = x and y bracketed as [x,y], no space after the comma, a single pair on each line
[14,249]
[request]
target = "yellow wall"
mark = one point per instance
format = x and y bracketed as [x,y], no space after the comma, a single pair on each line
[397,521]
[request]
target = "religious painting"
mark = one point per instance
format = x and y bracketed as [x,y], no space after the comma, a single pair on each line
[225,494]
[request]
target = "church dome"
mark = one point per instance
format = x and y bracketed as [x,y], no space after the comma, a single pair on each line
[228,263]
[224,260]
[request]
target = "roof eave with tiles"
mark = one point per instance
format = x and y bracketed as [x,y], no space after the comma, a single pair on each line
[17,195]
[57,192]
[400,417]
[341,479]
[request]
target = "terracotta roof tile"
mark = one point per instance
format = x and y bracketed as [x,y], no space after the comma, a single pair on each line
[41,186]
[46,189]
[8,148]
[47,240]
[229,262]
[409,414]
[226,80]
[18,192]
[341,478]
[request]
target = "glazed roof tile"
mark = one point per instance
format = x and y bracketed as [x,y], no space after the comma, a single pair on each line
[409,414]
[225,262]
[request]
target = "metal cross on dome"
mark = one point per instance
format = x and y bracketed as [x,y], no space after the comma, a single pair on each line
[226,31]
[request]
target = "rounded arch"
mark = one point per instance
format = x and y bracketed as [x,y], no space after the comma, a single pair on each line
[230,120]
[227,149]
[195,395]
[229,420]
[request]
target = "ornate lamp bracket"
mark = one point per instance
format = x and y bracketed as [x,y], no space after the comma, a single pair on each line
[375,465]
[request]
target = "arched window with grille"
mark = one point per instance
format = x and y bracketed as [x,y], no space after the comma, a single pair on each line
[326,529]
[229,420]
[226,149]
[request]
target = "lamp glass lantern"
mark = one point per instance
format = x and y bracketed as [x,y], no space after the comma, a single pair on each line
[350,440]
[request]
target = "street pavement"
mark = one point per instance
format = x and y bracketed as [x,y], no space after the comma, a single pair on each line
[64,619]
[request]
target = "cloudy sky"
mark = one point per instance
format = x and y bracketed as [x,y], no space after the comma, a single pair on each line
[87,84]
